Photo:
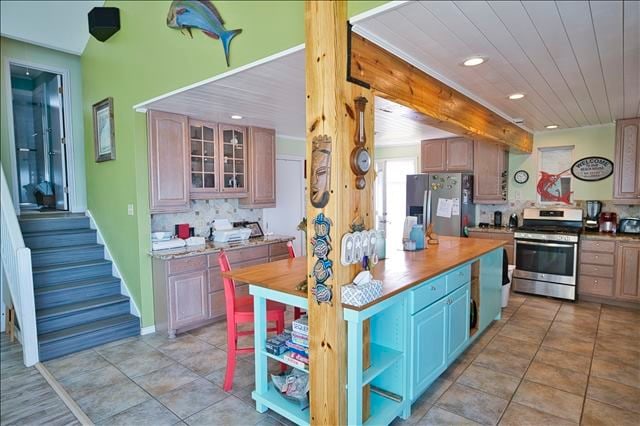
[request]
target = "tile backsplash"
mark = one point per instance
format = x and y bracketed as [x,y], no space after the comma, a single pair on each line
[484,213]
[203,212]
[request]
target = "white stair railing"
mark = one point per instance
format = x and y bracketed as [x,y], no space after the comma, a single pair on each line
[16,262]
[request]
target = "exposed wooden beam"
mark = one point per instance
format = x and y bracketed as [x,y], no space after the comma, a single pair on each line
[330,111]
[435,103]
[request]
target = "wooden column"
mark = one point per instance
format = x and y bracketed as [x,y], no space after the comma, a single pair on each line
[330,111]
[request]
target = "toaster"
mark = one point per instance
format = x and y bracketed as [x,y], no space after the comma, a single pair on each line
[630,225]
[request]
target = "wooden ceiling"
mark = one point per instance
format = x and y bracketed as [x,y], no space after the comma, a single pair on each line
[577,62]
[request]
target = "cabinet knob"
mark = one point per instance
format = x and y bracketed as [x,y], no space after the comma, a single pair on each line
[433,288]
[595,282]
[596,256]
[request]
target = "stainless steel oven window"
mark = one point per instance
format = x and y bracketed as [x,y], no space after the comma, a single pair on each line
[548,261]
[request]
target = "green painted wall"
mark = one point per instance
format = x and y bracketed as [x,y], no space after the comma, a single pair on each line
[406,151]
[16,50]
[146,59]
[286,146]
[588,141]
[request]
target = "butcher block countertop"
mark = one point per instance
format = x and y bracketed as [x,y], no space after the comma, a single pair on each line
[401,271]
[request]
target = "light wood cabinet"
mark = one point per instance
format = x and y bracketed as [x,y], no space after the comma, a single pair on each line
[168,162]
[433,155]
[459,155]
[610,269]
[188,299]
[189,292]
[626,169]
[204,159]
[233,153]
[446,155]
[491,165]
[628,271]
[261,170]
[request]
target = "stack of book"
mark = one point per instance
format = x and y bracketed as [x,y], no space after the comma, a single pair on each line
[298,343]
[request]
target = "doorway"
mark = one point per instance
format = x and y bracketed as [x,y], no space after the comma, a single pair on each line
[38,127]
[290,201]
[391,194]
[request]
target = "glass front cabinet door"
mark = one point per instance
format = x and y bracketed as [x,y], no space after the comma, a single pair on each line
[233,154]
[204,159]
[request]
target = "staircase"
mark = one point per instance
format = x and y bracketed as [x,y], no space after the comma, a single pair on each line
[78,301]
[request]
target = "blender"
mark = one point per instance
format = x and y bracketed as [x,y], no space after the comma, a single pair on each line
[593,213]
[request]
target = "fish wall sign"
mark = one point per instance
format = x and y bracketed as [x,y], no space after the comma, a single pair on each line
[592,169]
[201,15]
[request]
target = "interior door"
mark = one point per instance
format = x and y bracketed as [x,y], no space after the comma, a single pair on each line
[55,133]
[289,211]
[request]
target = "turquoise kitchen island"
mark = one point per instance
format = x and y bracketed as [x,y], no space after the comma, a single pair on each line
[419,326]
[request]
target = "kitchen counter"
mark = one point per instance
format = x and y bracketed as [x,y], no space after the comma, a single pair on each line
[590,235]
[493,229]
[400,272]
[214,247]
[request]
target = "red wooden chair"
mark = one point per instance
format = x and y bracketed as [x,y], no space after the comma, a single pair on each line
[240,310]
[297,312]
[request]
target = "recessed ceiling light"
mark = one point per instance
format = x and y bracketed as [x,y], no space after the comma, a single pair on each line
[516,96]
[473,61]
[236,117]
[551,126]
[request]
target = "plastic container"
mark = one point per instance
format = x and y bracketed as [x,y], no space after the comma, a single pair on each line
[380,245]
[417,235]
[506,289]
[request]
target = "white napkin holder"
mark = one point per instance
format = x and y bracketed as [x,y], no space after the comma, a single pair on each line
[362,291]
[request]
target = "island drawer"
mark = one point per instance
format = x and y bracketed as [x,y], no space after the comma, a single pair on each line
[426,294]
[458,278]
[599,246]
[278,250]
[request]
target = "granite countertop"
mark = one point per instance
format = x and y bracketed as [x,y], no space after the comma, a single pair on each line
[494,229]
[590,235]
[214,247]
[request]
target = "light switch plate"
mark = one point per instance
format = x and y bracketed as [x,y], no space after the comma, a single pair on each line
[130,209]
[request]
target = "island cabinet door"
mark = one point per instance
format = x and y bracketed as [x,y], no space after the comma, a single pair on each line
[188,299]
[457,322]
[428,346]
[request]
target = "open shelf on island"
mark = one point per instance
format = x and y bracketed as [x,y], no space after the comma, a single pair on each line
[383,410]
[381,358]
[282,406]
[282,359]
[475,295]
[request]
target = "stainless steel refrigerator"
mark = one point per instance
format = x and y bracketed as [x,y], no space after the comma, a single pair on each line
[447,199]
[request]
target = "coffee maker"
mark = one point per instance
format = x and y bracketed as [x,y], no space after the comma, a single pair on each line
[608,222]
[591,223]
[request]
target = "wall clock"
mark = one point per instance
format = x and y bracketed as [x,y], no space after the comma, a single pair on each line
[360,157]
[521,176]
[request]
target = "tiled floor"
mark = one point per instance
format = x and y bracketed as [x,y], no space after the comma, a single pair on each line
[545,362]
[25,396]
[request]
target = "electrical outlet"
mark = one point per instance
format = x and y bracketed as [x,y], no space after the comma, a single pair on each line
[518,195]
[130,209]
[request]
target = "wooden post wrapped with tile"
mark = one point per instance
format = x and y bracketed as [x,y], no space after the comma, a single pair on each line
[333,200]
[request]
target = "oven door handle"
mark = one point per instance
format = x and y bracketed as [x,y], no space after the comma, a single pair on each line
[546,244]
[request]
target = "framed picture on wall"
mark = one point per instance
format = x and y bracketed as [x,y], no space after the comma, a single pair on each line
[103,131]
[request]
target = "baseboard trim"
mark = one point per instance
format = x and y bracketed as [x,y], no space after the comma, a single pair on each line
[148,330]
[64,396]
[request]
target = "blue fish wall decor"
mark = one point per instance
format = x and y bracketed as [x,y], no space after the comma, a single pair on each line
[201,15]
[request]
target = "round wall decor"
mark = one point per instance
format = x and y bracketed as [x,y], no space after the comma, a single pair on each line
[521,176]
[592,169]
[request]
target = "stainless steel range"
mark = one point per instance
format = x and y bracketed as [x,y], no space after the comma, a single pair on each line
[546,247]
